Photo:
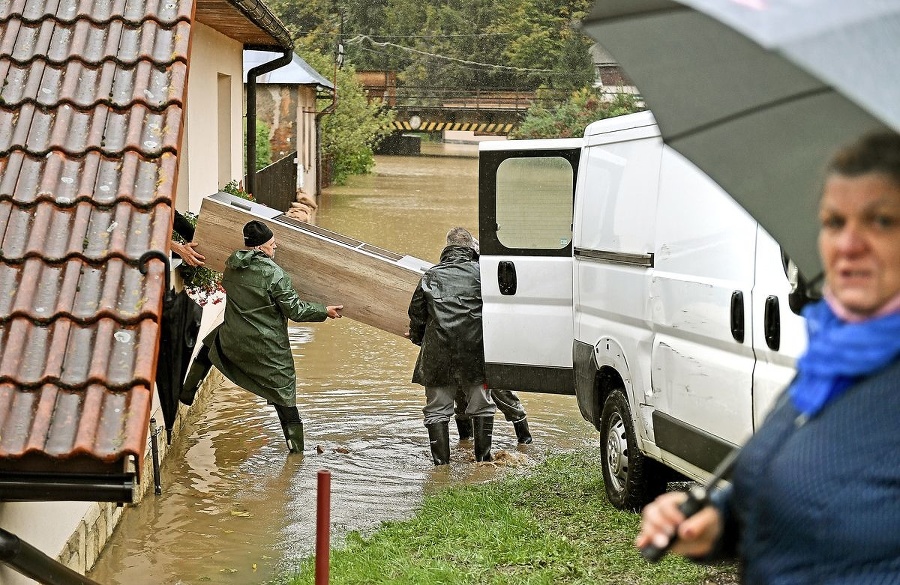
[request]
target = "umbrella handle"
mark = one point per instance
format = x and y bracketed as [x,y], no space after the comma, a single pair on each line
[142,264]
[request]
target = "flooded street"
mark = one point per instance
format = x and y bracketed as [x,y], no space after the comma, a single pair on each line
[235,507]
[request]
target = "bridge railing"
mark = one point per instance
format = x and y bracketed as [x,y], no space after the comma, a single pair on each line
[412,97]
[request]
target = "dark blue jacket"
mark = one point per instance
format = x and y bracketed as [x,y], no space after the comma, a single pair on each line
[818,501]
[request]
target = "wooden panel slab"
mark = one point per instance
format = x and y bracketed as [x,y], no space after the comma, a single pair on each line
[373,284]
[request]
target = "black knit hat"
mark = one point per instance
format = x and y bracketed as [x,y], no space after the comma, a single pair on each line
[256,233]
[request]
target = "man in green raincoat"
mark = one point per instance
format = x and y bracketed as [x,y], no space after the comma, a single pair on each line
[251,347]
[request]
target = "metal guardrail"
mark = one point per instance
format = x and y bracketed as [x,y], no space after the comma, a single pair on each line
[492,99]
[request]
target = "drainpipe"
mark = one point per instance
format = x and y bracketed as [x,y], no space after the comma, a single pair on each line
[329,109]
[36,565]
[287,55]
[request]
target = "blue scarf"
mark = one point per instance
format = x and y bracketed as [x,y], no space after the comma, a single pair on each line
[839,354]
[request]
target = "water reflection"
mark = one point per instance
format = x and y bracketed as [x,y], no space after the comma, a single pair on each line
[235,508]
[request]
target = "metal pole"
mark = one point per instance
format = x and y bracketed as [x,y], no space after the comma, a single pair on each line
[154,448]
[323,525]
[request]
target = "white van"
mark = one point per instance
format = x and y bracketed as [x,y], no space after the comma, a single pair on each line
[613,269]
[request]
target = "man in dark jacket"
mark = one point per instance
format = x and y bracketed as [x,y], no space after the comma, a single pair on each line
[251,347]
[445,321]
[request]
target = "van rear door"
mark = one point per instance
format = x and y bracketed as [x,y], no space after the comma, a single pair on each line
[526,197]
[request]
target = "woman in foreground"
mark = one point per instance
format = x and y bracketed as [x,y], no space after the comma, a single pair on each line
[815,493]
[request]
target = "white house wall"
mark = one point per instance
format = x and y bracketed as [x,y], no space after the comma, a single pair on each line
[212,55]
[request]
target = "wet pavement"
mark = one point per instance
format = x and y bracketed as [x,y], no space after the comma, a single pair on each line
[235,507]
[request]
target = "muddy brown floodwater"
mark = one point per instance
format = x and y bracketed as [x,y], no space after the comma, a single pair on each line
[235,508]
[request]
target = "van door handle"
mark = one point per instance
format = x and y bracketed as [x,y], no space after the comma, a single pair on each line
[772,323]
[506,277]
[737,316]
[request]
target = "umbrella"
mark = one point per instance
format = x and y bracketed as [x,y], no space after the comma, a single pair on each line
[759,93]
[179,328]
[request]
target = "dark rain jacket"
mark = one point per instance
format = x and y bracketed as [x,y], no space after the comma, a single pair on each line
[251,347]
[445,320]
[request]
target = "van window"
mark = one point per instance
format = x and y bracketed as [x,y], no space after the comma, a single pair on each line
[534,202]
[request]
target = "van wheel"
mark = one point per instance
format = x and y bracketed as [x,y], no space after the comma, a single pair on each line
[632,480]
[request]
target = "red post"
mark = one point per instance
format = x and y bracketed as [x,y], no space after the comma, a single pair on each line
[323,525]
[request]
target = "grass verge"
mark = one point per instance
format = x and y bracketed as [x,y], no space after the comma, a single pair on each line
[548,524]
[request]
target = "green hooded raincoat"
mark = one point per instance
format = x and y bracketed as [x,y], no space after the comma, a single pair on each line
[251,347]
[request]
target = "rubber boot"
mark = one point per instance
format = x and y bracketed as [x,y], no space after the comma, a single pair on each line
[439,437]
[484,430]
[293,433]
[464,426]
[522,432]
[195,376]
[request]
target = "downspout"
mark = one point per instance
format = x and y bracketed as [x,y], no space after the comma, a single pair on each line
[34,564]
[287,55]
[329,109]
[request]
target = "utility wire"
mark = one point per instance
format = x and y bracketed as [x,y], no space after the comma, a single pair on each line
[361,38]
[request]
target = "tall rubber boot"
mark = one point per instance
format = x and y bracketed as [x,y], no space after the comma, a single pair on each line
[293,433]
[464,426]
[522,432]
[484,430]
[195,376]
[439,438]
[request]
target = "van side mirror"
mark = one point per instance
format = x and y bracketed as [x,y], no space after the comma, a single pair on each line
[803,291]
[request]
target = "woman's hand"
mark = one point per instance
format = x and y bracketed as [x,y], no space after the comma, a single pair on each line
[334,311]
[661,519]
[188,254]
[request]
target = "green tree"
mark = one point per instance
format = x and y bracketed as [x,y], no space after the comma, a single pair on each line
[569,119]
[263,145]
[540,36]
[354,127]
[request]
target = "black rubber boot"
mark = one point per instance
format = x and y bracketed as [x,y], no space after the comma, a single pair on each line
[484,430]
[439,437]
[293,433]
[522,432]
[464,426]
[195,376]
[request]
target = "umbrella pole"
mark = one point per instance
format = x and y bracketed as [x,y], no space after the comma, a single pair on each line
[154,448]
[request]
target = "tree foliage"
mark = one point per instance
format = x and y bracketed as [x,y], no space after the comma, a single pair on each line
[457,44]
[354,126]
[569,119]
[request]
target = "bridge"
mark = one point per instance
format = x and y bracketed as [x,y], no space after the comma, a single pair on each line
[435,109]
[488,111]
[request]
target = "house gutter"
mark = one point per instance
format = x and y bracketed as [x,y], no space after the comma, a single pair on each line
[287,55]
[34,564]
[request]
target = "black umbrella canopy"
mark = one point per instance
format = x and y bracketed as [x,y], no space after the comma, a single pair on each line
[760,93]
[178,331]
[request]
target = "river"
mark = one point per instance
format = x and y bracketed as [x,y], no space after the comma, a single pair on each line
[235,507]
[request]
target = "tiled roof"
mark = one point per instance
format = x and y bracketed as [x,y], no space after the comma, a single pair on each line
[90,127]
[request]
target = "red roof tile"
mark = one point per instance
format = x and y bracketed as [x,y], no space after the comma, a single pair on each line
[90,126]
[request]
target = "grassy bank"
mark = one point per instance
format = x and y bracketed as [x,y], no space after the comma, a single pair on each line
[547,524]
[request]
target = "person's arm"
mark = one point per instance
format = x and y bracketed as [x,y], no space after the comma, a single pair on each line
[188,254]
[185,251]
[295,308]
[418,315]
[182,227]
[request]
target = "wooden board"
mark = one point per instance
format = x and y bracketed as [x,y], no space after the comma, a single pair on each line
[373,284]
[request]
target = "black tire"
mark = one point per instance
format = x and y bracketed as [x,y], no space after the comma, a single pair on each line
[632,480]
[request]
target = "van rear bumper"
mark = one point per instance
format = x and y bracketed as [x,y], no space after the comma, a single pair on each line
[528,378]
